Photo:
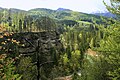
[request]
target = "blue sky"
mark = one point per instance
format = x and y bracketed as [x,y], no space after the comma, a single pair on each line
[86,6]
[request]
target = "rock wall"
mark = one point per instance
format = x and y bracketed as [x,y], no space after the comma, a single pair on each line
[45,41]
[46,44]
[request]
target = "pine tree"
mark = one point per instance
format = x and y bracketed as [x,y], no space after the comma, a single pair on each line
[20,25]
[114,7]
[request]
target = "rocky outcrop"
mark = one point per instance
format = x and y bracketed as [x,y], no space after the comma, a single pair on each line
[45,41]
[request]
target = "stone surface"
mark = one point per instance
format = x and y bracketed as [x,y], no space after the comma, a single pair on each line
[45,41]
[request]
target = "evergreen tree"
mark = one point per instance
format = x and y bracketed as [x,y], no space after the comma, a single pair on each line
[114,7]
[24,25]
[20,25]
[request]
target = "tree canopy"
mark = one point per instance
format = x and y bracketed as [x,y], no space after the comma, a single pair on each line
[114,6]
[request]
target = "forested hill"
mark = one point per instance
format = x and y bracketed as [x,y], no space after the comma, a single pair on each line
[59,44]
[60,15]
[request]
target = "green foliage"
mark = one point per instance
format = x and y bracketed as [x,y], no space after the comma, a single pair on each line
[45,24]
[114,75]
[114,6]
[67,66]
[7,59]
[73,62]
[109,48]
[95,68]
[68,22]
[7,70]
[37,19]
[27,69]
[79,31]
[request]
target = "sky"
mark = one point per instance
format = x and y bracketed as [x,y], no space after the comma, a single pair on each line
[87,6]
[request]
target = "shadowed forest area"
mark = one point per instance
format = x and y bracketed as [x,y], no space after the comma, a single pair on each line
[45,44]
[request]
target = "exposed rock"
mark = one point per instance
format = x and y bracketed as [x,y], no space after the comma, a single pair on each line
[91,53]
[44,40]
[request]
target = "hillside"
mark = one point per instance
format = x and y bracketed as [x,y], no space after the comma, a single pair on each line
[66,14]
[58,44]
[59,15]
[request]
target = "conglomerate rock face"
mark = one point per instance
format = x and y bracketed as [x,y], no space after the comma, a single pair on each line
[45,41]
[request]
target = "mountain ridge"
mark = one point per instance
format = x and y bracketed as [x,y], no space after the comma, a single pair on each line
[105,14]
[61,14]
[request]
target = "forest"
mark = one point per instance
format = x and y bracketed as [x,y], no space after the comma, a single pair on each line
[45,44]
